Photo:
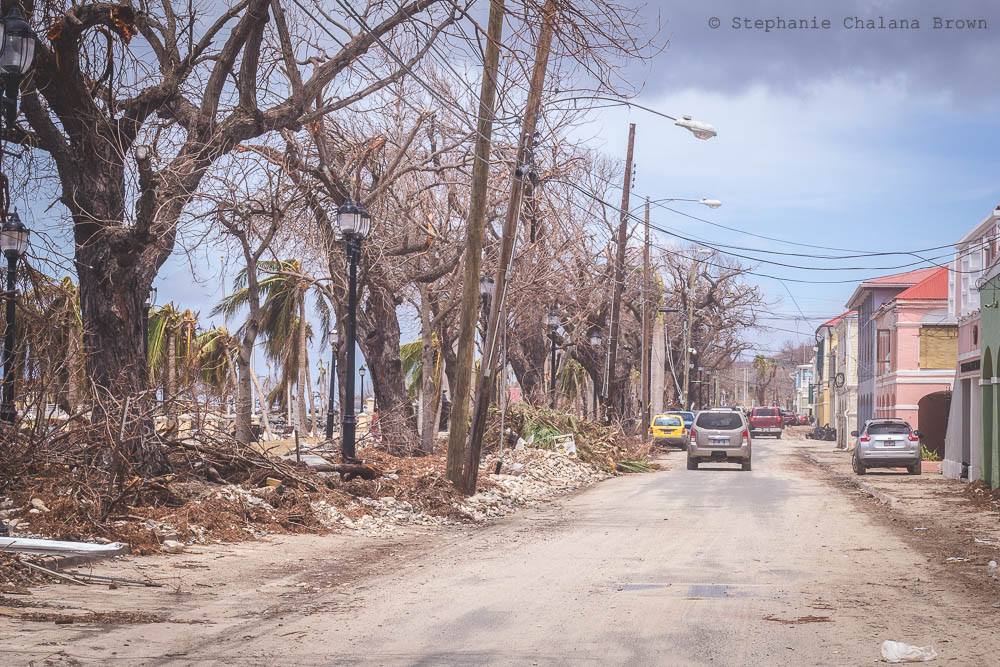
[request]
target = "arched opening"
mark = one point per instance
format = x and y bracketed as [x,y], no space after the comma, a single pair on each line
[932,420]
[988,407]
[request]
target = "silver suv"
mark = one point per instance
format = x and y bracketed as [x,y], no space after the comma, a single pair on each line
[719,435]
[886,443]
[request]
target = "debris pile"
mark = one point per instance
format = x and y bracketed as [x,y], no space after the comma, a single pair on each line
[603,446]
[218,492]
[527,475]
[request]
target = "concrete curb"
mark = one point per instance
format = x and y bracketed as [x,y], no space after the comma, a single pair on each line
[886,499]
[60,562]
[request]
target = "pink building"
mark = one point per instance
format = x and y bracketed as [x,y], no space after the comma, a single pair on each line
[915,354]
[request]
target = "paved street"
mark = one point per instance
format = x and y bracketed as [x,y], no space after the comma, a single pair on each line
[715,566]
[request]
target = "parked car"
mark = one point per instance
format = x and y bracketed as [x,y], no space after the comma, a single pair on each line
[766,421]
[669,429]
[686,415]
[789,418]
[805,420]
[719,435]
[886,443]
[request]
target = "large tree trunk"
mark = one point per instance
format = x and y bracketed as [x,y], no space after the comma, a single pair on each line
[244,395]
[397,420]
[527,356]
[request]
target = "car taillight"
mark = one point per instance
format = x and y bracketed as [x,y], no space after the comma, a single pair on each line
[913,437]
[865,438]
[694,433]
[746,435]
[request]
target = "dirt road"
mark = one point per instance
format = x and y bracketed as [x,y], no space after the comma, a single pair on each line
[715,566]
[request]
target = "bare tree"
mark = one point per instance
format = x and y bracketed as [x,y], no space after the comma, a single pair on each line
[103,114]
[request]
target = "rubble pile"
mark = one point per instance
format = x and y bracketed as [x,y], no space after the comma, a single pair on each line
[528,475]
[218,493]
[599,444]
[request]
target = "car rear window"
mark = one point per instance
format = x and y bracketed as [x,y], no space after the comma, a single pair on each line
[765,412]
[719,420]
[667,421]
[888,428]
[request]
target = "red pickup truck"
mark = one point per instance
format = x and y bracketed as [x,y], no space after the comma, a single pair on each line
[766,421]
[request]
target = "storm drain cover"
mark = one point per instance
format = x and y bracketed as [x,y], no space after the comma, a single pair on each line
[708,591]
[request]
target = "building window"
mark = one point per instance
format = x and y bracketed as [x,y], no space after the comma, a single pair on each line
[938,346]
[883,351]
[975,334]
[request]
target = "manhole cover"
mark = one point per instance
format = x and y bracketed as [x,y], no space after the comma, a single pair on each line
[708,591]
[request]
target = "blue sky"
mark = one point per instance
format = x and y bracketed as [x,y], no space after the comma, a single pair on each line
[875,140]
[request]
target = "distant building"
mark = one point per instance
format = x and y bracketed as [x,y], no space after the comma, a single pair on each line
[915,351]
[867,298]
[803,400]
[836,393]
[974,253]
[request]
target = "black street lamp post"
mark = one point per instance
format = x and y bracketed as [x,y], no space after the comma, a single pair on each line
[17,52]
[361,372]
[552,321]
[354,223]
[13,243]
[334,341]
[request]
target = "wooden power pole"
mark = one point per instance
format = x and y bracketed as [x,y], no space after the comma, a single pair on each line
[612,390]
[475,224]
[497,309]
[647,331]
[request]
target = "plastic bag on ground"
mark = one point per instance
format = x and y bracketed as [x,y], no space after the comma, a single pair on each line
[901,652]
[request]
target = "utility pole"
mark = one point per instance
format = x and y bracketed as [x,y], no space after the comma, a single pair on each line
[525,144]
[647,334]
[610,382]
[475,225]
[689,295]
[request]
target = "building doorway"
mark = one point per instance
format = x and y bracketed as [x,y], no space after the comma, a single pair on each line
[932,420]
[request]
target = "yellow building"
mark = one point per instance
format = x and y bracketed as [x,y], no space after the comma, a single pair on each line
[828,342]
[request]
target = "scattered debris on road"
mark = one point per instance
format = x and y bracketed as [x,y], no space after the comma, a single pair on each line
[800,620]
[896,652]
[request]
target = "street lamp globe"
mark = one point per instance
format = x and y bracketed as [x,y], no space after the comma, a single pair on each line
[362,371]
[334,337]
[552,320]
[711,203]
[13,236]
[353,220]
[699,129]
[596,339]
[18,44]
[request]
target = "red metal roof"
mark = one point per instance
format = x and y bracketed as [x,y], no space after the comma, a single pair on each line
[835,320]
[908,278]
[934,286]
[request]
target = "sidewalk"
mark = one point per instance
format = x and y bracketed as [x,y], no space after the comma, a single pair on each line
[947,519]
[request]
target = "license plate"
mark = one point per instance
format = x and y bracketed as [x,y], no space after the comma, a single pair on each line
[719,440]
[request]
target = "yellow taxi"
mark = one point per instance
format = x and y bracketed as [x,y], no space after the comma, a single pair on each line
[669,430]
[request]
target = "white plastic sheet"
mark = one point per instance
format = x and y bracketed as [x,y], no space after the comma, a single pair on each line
[896,652]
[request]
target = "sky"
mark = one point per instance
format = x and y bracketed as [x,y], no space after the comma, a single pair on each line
[862,139]
[847,137]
